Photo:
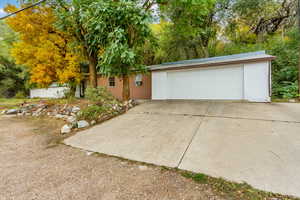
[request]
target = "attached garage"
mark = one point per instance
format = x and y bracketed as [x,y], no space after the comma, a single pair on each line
[236,77]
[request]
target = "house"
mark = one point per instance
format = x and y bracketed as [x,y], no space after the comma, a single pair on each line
[245,76]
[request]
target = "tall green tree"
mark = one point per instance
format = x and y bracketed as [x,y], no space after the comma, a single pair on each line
[69,15]
[260,17]
[190,28]
[119,28]
[7,38]
[13,78]
[298,8]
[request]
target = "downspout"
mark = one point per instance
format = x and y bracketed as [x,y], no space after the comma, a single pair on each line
[270,79]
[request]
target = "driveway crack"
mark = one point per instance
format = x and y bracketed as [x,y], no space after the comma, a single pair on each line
[194,135]
[219,116]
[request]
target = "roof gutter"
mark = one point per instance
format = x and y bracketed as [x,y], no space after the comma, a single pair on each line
[192,66]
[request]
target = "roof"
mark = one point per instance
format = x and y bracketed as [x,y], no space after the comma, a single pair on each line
[214,61]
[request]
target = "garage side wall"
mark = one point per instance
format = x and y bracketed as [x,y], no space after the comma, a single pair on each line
[256,82]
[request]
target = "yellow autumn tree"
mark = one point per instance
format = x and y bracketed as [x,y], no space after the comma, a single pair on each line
[42,48]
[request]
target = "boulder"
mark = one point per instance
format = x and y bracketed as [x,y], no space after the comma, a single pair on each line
[75,109]
[143,167]
[71,119]
[82,124]
[59,116]
[65,129]
[11,111]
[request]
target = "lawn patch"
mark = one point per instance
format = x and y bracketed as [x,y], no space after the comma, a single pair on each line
[232,190]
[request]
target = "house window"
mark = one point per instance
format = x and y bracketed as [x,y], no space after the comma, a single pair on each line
[111,82]
[139,80]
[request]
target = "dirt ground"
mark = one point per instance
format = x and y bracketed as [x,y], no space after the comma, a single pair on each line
[35,165]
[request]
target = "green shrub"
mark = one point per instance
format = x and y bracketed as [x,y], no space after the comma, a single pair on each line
[69,96]
[91,112]
[20,95]
[287,90]
[198,177]
[99,95]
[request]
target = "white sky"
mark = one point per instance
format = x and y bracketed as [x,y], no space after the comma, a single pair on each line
[2,13]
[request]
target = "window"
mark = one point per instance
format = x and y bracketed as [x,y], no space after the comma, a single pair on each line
[111,82]
[139,80]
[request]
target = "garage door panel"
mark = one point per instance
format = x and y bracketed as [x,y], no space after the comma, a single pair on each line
[208,83]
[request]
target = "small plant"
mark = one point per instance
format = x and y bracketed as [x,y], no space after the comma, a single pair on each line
[99,95]
[200,178]
[20,95]
[232,190]
[91,112]
[288,90]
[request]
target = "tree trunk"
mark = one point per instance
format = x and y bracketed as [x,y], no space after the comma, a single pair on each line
[299,50]
[92,71]
[72,89]
[126,89]
[205,51]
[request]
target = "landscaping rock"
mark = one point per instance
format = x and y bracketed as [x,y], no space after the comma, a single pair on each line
[65,129]
[39,110]
[93,122]
[11,111]
[82,124]
[88,153]
[143,167]
[75,109]
[71,119]
[59,116]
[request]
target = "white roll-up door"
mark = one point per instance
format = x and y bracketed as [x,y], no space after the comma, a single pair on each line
[206,83]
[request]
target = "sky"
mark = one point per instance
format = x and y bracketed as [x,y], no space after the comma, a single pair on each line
[3,3]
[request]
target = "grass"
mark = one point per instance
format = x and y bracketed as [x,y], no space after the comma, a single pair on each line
[277,100]
[72,100]
[13,102]
[224,188]
[91,112]
[8,103]
[232,190]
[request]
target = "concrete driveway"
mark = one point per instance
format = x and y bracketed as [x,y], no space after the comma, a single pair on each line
[256,143]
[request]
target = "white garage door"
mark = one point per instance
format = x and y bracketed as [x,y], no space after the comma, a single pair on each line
[206,83]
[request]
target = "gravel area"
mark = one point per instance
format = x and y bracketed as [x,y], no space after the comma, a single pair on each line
[35,165]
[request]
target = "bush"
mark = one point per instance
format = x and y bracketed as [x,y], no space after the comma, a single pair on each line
[91,112]
[69,95]
[287,90]
[20,95]
[99,95]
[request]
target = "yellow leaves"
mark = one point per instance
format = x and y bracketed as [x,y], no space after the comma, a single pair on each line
[241,32]
[42,48]
[10,8]
[158,28]
[101,51]
[69,70]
